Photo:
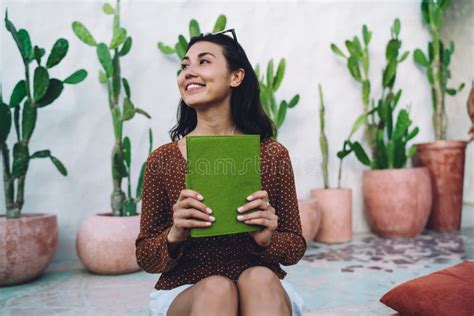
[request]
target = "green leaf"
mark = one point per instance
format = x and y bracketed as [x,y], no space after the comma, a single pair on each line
[461,86]
[39,53]
[18,94]
[366,34]
[270,74]
[396,27]
[108,9]
[26,47]
[353,66]
[281,113]
[28,121]
[194,29]
[119,37]
[404,56]
[365,91]
[360,121]
[5,122]
[59,165]
[54,91]
[165,49]
[412,152]
[150,141]
[126,47]
[389,73]
[58,52]
[128,109]
[392,49]
[41,154]
[220,23]
[403,122]
[451,91]
[294,101]
[360,153]
[142,112]
[83,33]
[337,51]
[102,77]
[119,166]
[390,153]
[76,77]
[181,47]
[126,87]
[40,82]
[105,58]
[412,134]
[279,74]
[20,160]
[127,151]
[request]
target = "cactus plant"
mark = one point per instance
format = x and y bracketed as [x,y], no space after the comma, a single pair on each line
[323,140]
[181,45]
[391,137]
[436,63]
[28,96]
[268,87]
[110,75]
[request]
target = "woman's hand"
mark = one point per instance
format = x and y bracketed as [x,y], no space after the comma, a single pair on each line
[266,217]
[187,207]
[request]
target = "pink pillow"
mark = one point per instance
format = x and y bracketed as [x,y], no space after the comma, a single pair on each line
[446,292]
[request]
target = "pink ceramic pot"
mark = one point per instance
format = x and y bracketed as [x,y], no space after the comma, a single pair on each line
[397,201]
[105,244]
[445,161]
[310,218]
[27,245]
[335,206]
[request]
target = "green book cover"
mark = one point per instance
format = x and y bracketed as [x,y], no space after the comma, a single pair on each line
[225,170]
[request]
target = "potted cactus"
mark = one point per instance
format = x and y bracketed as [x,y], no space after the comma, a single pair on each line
[29,239]
[444,158]
[268,87]
[334,204]
[98,252]
[397,199]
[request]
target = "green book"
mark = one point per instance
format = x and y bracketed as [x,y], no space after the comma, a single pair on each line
[225,170]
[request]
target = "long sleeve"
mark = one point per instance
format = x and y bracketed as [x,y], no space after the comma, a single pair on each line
[287,245]
[152,252]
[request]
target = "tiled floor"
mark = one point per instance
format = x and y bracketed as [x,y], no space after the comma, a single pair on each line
[345,279]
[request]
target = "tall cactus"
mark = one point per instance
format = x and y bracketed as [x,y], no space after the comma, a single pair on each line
[268,87]
[323,140]
[110,75]
[28,96]
[181,45]
[391,136]
[436,63]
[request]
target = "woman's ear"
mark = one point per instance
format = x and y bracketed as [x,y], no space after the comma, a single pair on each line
[237,77]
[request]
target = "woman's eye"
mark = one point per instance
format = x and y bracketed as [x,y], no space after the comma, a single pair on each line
[183,66]
[204,60]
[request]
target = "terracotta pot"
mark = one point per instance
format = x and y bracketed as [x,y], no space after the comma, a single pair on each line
[397,201]
[335,206]
[445,161]
[27,245]
[105,244]
[310,218]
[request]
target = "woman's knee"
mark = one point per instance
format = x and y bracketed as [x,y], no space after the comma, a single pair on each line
[257,276]
[216,289]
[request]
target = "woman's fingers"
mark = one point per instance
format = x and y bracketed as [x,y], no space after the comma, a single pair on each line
[258,195]
[261,204]
[189,223]
[191,213]
[258,214]
[188,193]
[192,203]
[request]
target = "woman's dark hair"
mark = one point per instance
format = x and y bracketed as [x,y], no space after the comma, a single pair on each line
[246,109]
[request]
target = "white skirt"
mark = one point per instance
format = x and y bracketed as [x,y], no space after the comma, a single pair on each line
[160,300]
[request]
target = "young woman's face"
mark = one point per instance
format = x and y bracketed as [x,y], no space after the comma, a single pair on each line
[205,77]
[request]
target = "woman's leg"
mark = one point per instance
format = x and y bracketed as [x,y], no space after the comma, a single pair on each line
[261,293]
[214,295]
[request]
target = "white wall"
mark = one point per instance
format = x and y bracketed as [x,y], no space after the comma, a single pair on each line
[78,130]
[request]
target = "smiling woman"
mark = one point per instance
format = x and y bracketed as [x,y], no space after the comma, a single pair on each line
[230,274]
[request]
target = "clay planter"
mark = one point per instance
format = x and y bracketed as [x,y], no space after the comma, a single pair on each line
[310,218]
[105,244]
[397,201]
[445,161]
[27,245]
[335,206]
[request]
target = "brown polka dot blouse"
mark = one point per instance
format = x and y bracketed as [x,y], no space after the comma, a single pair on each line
[228,255]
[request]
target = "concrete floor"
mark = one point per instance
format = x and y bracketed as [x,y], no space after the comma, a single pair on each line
[344,279]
